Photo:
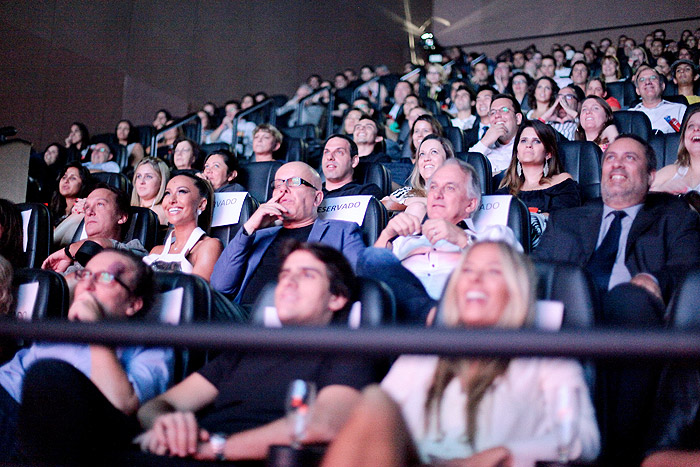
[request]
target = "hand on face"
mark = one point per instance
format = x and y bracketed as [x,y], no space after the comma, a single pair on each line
[267,214]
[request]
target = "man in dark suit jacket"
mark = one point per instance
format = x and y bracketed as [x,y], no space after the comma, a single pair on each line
[251,258]
[659,240]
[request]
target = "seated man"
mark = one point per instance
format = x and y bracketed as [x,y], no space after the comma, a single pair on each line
[663,115]
[414,256]
[311,112]
[685,75]
[242,394]
[80,402]
[251,258]
[463,105]
[366,135]
[636,247]
[266,140]
[482,105]
[579,74]
[339,159]
[106,216]
[224,132]
[101,159]
[563,115]
[497,142]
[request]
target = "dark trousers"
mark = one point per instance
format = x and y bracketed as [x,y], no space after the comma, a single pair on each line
[9,409]
[65,419]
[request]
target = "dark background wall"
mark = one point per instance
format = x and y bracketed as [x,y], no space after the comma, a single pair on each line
[100,61]
[486,20]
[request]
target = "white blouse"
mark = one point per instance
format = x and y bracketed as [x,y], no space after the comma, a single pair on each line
[517,411]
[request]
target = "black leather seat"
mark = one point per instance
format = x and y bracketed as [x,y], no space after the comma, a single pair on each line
[145,133]
[52,294]
[666,148]
[630,121]
[366,173]
[116,180]
[257,177]
[482,166]
[377,303]
[207,149]
[623,91]
[226,232]
[143,225]
[456,137]
[294,149]
[685,303]
[306,132]
[582,160]
[444,120]
[570,285]
[39,233]
[375,220]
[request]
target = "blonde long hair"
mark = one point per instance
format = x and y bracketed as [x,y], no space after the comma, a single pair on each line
[159,166]
[519,277]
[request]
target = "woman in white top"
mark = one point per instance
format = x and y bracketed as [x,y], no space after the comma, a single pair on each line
[150,177]
[471,411]
[683,175]
[188,201]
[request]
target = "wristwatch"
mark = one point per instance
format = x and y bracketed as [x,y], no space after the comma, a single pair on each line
[217,441]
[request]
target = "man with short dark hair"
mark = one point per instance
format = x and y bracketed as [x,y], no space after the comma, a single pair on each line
[366,135]
[464,120]
[251,258]
[579,74]
[497,142]
[662,114]
[548,66]
[480,74]
[482,106]
[339,159]
[685,75]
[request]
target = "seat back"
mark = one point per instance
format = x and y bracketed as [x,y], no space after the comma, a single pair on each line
[207,149]
[518,217]
[39,234]
[48,300]
[195,307]
[456,137]
[683,308]
[257,178]
[666,148]
[375,220]
[482,166]
[569,284]
[623,91]
[295,149]
[366,173]
[116,180]
[306,132]
[631,121]
[226,232]
[377,305]
[145,133]
[582,160]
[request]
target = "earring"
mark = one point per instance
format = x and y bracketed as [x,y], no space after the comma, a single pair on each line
[545,171]
[519,169]
[199,212]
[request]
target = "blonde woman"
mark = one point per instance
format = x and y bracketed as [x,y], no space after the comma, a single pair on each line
[150,178]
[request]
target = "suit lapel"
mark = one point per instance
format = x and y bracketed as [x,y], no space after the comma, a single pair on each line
[590,229]
[642,222]
[318,230]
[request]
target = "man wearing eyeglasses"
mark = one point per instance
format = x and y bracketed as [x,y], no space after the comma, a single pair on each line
[662,114]
[497,142]
[79,398]
[251,258]
[101,159]
[563,115]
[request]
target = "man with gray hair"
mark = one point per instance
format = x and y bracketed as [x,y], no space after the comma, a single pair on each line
[664,116]
[416,256]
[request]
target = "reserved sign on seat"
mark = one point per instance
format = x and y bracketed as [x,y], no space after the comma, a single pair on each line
[345,208]
[227,208]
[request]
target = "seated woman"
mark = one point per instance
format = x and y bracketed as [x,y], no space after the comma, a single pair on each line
[541,97]
[596,122]
[597,87]
[166,144]
[205,120]
[435,80]
[77,142]
[128,137]
[471,411]
[185,155]
[518,88]
[350,120]
[150,177]
[221,169]
[187,202]
[67,202]
[44,168]
[610,71]
[8,346]
[430,157]
[536,176]
[683,175]
[637,58]
[161,118]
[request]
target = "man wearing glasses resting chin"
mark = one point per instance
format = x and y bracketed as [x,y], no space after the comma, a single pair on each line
[79,400]
[251,259]
[497,142]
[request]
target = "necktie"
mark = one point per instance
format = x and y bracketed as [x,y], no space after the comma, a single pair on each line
[483,131]
[601,263]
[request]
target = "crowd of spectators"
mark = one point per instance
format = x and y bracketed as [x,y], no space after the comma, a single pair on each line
[516,111]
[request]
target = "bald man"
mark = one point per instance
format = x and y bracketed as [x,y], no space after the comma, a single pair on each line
[251,259]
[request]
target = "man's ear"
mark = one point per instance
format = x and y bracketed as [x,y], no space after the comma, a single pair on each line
[518,118]
[135,306]
[122,219]
[355,161]
[378,138]
[337,302]
[319,198]
[471,207]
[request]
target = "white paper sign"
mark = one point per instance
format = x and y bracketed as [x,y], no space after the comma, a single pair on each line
[25,226]
[169,306]
[227,208]
[493,211]
[345,208]
[26,299]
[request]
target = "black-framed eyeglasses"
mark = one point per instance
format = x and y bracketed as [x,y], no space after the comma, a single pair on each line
[102,277]
[291,183]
